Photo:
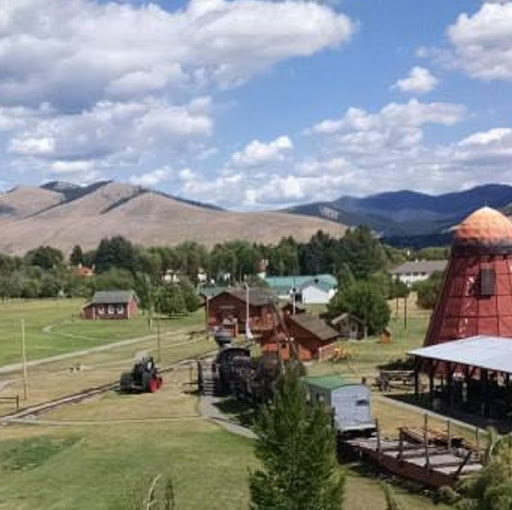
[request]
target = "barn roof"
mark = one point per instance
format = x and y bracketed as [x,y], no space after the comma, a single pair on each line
[113,297]
[327,382]
[485,226]
[488,352]
[258,296]
[315,326]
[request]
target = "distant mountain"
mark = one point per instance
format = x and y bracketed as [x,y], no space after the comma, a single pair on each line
[62,215]
[408,214]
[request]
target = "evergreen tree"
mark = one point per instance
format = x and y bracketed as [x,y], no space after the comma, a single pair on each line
[77,256]
[296,446]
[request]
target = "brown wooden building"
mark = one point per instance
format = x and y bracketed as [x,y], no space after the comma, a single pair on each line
[112,304]
[231,306]
[291,309]
[312,337]
[349,326]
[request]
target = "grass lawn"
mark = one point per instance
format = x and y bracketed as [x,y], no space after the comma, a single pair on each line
[99,459]
[100,453]
[53,327]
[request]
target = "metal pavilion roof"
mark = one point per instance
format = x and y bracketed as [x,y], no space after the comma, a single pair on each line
[489,352]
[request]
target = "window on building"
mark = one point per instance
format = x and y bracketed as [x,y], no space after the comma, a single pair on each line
[487,282]
[362,403]
[120,309]
[101,310]
[111,309]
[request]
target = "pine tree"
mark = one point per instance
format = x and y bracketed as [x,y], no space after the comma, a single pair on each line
[77,256]
[297,448]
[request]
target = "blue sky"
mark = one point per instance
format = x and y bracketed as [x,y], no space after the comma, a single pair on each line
[252,104]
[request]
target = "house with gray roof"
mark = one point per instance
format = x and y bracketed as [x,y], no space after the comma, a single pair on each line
[111,304]
[417,270]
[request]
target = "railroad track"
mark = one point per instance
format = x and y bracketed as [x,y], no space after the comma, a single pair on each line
[50,405]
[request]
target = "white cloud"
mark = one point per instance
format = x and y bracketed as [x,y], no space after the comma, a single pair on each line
[151,179]
[419,80]
[396,127]
[117,84]
[259,153]
[114,130]
[77,52]
[482,42]
[71,167]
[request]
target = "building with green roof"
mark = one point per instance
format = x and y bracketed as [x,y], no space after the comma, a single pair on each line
[350,402]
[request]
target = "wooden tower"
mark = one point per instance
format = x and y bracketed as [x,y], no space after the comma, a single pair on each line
[476,296]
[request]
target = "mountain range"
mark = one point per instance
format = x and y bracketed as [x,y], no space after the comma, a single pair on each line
[61,215]
[409,214]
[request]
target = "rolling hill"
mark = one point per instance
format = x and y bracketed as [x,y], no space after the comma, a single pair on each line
[62,215]
[406,214]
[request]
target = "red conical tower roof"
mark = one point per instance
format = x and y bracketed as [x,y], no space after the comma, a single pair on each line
[484,227]
[476,297]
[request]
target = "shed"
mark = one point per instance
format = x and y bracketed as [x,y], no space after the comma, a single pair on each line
[349,401]
[349,326]
[111,304]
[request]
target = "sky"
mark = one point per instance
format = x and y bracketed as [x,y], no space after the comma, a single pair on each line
[257,104]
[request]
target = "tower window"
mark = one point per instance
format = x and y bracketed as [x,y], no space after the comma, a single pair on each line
[487,282]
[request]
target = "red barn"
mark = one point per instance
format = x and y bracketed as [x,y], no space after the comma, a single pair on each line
[476,296]
[230,306]
[312,337]
[111,304]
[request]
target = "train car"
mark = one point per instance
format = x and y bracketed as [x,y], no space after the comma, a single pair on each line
[349,401]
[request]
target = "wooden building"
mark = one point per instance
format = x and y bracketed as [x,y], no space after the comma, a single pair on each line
[349,326]
[112,304]
[476,296]
[312,337]
[230,306]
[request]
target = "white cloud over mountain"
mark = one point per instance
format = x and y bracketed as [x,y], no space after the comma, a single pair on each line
[258,153]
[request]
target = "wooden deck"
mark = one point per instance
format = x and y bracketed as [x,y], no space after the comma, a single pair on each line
[430,465]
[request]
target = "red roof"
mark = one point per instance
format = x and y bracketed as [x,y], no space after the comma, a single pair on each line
[485,226]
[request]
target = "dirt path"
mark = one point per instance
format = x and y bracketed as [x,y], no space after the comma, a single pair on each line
[210,411]
[16,367]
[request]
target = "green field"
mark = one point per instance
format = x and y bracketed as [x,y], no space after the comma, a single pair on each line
[53,327]
[102,453]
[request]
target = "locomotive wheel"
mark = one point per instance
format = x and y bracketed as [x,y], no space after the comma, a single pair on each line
[153,385]
[160,382]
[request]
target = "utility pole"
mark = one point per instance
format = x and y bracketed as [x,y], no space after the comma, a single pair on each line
[158,344]
[24,358]
[248,333]
[405,312]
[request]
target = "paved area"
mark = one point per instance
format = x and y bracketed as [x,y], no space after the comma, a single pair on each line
[209,410]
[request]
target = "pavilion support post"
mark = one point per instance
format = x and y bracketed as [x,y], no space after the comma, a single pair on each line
[425,440]
[431,383]
[449,432]
[400,443]
[417,366]
[484,404]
